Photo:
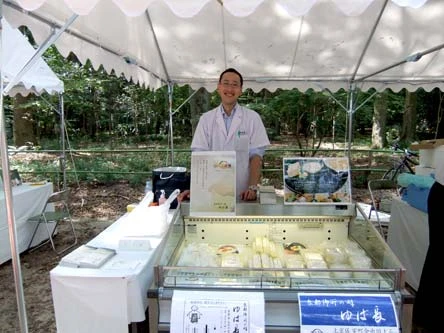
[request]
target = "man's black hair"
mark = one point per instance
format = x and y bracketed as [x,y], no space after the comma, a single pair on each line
[232,70]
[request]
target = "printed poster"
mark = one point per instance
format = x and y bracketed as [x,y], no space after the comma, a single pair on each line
[316,180]
[217,311]
[213,183]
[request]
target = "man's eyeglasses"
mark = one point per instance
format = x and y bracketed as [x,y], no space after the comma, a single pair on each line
[227,84]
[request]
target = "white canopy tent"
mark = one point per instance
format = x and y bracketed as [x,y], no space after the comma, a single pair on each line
[303,44]
[17,52]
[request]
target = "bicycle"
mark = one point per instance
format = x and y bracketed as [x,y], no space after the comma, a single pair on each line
[406,163]
[387,186]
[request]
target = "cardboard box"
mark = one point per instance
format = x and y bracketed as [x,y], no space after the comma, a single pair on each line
[431,152]
[427,144]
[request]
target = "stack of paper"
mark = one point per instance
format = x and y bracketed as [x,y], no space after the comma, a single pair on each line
[87,257]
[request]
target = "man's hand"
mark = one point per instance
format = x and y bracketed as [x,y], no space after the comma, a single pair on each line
[185,195]
[248,195]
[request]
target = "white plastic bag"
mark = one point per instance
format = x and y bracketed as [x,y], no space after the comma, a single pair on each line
[146,220]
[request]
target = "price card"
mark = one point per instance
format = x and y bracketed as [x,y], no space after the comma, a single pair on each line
[221,312]
[337,313]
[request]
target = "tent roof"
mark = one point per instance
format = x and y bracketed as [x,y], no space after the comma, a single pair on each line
[17,52]
[275,43]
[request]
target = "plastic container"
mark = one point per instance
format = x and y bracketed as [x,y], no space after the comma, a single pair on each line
[162,197]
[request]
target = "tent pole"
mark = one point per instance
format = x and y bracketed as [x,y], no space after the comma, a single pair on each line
[184,102]
[62,131]
[369,38]
[162,60]
[352,92]
[170,111]
[411,58]
[9,203]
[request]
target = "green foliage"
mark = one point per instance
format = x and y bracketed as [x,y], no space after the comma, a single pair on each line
[360,179]
[392,134]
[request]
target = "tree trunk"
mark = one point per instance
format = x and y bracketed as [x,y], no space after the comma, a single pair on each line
[23,129]
[379,139]
[408,129]
[199,104]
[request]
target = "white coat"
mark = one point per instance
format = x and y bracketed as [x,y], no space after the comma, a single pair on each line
[246,132]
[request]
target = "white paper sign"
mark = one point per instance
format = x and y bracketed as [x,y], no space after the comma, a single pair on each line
[221,312]
[213,183]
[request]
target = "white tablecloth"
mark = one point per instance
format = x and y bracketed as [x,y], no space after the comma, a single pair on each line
[108,298]
[408,237]
[28,200]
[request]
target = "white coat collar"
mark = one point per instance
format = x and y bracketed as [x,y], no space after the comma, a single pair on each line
[235,123]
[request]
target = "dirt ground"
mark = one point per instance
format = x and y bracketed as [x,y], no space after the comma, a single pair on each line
[94,208]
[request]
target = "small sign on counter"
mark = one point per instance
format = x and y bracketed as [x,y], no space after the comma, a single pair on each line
[213,183]
[214,311]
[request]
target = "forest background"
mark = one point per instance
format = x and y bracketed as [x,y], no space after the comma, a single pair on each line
[116,129]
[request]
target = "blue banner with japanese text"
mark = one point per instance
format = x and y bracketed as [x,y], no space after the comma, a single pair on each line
[336,313]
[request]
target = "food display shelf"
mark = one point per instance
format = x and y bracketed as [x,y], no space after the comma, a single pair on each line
[313,227]
[266,278]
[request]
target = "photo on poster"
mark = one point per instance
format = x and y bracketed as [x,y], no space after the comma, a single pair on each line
[323,180]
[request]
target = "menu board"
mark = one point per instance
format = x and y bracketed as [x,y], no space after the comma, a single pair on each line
[316,180]
[213,183]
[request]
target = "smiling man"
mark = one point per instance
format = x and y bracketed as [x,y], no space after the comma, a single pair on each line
[232,127]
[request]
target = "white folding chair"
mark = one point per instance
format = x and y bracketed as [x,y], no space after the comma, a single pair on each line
[59,200]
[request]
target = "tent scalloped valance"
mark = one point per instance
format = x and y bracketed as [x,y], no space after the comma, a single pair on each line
[392,45]
[242,8]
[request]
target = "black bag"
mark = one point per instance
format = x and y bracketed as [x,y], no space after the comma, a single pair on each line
[169,179]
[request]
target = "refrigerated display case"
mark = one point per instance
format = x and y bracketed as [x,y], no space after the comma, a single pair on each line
[280,250]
